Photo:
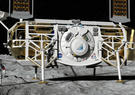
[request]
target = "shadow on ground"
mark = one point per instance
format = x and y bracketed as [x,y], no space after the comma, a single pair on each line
[92,78]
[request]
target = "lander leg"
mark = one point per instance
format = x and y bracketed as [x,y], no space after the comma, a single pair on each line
[94,71]
[73,71]
[42,68]
[36,69]
[42,63]
[118,67]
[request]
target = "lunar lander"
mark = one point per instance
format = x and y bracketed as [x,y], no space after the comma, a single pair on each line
[45,42]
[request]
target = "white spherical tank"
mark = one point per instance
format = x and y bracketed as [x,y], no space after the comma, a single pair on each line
[78,47]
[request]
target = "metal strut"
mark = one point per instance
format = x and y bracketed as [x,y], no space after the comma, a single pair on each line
[36,71]
[118,67]
[42,63]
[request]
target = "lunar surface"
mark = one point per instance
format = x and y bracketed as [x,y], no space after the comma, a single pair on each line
[66,80]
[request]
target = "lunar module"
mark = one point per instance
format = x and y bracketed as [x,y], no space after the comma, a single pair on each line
[46,42]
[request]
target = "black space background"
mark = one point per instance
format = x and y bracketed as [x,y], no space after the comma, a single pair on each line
[92,10]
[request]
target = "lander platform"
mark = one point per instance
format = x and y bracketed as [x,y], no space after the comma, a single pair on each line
[46,42]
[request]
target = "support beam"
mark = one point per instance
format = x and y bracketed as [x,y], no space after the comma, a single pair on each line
[131,38]
[125,40]
[42,62]
[35,76]
[42,66]
[32,61]
[27,40]
[4,25]
[118,67]
[94,71]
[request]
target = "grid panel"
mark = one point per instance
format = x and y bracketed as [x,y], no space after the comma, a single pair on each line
[21,9]
[21,5]
[119,11]
[120,7]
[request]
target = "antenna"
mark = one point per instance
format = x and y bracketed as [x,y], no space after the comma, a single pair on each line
[21,9]
[119,10]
